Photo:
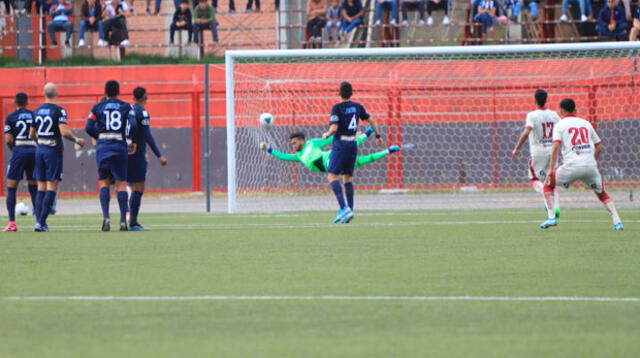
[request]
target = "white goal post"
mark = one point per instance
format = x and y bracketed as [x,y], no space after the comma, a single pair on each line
[427,104]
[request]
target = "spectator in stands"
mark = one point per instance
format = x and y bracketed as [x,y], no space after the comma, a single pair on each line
[316,20]
[585,9]
[352,12]
[232,5]
[635,27]
[612,21]
[485,12]
[334,19]
[517,6]
[45,5]
[391,5]
[438,5]
[61,21]
[412,5]
[115,25]
[250,5]
[204,17]
[181,21]
[91,20]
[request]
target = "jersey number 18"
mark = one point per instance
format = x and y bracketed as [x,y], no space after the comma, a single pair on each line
[113,120]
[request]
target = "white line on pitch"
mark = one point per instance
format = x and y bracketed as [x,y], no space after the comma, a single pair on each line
[319,298]
[329,225]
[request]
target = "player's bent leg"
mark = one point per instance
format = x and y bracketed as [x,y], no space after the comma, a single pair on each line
[121,187]
[134,205]
[611,209]
[548,194]
[42,190]
[47,202]
[12,186]
[32,185]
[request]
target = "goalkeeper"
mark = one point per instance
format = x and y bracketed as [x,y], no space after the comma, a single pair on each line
[310,153]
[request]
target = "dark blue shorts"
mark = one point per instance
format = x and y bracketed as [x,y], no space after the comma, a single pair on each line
[343,157]
[48,165]
[20,164]
[137,171]
[113,167]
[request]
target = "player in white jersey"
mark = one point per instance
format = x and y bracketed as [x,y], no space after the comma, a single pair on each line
[580,151]
[538,129]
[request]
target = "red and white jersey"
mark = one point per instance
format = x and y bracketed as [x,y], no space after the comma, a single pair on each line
[578,139]
[541,122]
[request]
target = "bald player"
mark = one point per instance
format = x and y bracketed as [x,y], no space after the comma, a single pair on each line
[49,126]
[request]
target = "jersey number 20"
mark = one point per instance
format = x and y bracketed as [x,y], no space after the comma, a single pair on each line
[579,135]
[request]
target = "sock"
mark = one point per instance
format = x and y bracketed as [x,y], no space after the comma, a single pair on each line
[348,190]
[370,158]
[39,199]
[134,205]
[105,197]
[548,199]
[33,192]
[609,206]
[11,203]
[337,190]
[537,185]
[46,206]
[556,196]
[122,202]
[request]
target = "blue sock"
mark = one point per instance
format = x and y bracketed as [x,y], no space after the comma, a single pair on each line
[105,197]
[33,191]
[39,199]
[337,189]
[134,206]
[122,202]
[46,206]
[11,203]
[348,190]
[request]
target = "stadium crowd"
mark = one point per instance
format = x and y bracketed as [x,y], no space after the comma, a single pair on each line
[331,20]
[615,20]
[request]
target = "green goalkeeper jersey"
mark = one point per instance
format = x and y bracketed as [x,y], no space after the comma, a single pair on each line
[312,155]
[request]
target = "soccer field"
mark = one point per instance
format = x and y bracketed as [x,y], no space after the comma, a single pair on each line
[391,284]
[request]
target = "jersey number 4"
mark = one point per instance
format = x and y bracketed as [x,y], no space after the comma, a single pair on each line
[113,120]
[579,135]
[353,125]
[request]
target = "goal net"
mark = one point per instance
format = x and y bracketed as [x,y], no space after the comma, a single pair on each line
[462,109]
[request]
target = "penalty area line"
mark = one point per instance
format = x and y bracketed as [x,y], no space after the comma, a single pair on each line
[320,298]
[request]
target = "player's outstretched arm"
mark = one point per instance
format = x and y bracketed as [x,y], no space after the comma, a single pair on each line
[322,142]
[280,155]
[65,131]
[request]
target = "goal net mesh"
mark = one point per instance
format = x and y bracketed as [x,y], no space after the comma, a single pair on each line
[462,113]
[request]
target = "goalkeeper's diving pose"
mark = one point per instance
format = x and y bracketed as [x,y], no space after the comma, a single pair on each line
[310,152]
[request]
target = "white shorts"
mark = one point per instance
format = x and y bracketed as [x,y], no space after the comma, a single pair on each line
[539,166]
[565,176]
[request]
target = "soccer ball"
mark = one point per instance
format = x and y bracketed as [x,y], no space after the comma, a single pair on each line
[22,209]
[266,119]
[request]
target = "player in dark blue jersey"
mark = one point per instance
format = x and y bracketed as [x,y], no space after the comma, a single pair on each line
[111,123]
[48,127]
[23,155]
[343,126]
[137,172]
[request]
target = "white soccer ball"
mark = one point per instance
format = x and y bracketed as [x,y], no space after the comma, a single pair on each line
[22,209]
[266,119]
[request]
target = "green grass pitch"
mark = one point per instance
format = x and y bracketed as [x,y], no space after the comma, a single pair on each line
[394,254]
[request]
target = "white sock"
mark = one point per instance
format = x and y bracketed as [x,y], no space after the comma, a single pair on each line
[611,209]
[548,200]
